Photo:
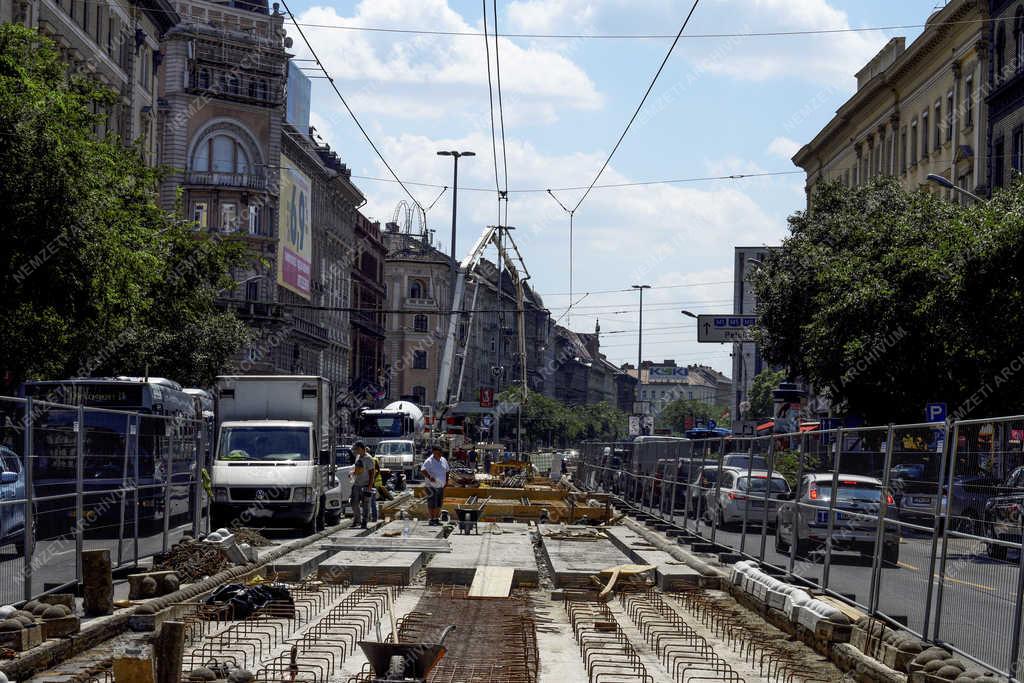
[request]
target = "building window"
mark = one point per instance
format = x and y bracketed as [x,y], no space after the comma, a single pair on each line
[220,154]
[204,79]
[228,217]
[913,142]
[420,394]
[416,289]
[1018,34]
[419,360]
[1000,52]
[200,215]
[420,323]
[1017,151]
[252,290]
[938,126]
[254,219]
[903,150]
[846,177]
[968,102]
[999,162]
[924,134]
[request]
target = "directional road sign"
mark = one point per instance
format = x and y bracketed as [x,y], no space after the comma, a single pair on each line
[725,328]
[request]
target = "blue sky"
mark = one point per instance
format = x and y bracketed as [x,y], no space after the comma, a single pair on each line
[721,106]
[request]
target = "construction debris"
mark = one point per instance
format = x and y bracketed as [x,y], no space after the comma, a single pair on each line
[192,560]
[254,538]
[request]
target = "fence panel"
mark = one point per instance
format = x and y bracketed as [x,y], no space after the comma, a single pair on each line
[13,505]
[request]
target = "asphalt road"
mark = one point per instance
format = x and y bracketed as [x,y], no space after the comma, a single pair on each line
[977,596]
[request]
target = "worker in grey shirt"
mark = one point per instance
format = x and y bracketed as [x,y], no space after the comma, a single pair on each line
[435,472]
[363,474]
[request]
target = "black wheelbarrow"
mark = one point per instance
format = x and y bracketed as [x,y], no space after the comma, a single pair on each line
[407,662]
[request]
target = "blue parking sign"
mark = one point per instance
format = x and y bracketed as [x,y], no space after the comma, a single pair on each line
[935,412]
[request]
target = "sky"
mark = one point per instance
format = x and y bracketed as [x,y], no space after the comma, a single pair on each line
[723,105]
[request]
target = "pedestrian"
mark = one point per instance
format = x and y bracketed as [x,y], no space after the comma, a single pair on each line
[435,472]
[362,485]
[487,461]
[378,484]
[472,458]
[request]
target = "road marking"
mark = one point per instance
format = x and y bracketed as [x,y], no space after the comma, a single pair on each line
[948,578]
[908,566]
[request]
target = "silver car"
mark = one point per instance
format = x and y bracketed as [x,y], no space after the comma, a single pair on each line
[803,520]
[743,493]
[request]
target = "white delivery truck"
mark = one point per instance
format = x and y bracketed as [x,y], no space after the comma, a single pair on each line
[275,459]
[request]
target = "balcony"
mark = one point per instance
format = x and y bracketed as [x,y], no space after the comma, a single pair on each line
[312,330]
[244,181]
[420,302]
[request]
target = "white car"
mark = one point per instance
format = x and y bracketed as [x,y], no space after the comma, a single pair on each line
[803,519]
[742,493]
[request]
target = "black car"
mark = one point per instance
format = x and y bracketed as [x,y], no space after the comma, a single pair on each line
[1003,513]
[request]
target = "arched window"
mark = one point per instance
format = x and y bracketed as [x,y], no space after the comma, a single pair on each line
[416,290]
[420,323]
[220,154]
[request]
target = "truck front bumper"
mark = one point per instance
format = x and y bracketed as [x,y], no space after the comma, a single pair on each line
[266,512]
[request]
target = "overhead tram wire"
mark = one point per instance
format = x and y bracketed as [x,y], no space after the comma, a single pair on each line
[606,186]
[636,113]
[351,113]
[490,103]
[501,108]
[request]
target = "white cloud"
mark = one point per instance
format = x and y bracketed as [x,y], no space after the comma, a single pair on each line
[436,70]
[783,147]
[551,16]
[830,59]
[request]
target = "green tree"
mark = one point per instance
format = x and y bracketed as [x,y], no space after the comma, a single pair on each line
[673,416]
[887,300]
[761,393]
[546,420]
[97,277]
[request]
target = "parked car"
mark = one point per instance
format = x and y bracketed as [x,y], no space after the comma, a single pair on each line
[1003,513]
[915,487]
[742,493]
[803,520]
[701,485]
[12,488]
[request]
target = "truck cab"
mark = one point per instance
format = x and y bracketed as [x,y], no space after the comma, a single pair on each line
[274,464]
[397,454]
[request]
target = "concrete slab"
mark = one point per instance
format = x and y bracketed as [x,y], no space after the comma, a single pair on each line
[511,548]
[671,574]
[573,561]
[297,565]
[385,544]
[381,568]
[417,529]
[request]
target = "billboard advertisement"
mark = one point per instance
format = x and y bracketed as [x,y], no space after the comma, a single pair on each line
[667,373]
[296,110]
[295,238]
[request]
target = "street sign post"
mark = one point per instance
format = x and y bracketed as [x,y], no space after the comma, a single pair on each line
[718,329]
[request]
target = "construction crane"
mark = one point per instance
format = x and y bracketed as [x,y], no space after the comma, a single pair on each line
[510,256]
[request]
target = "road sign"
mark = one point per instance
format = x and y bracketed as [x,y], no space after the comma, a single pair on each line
[935,412]
[487,421]
[486,397]
[725,328]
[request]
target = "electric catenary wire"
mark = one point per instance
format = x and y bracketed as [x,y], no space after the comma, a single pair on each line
[501,108]
[351,113]
[490,102]
[636,113]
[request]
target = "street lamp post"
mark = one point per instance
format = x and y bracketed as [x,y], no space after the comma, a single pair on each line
[942,181]
[455,203]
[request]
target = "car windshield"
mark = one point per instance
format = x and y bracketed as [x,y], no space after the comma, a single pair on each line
[746,462]
[757,484]
[858,491]
[709,475]
[264,443]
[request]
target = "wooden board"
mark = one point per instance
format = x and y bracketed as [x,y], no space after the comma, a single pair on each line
[492,582]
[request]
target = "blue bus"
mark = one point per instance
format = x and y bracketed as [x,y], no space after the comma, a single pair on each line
[122,452]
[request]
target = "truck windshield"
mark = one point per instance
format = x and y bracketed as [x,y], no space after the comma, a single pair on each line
[264,443]
[380,425]
[395,448]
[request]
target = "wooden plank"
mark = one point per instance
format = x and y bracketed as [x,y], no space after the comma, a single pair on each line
[492,582]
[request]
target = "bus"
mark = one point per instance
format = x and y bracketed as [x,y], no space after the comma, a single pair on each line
[139,434]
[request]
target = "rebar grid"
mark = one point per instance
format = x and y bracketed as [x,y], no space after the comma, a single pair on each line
[318,630]
[606,651]
[777,656]
[495,640]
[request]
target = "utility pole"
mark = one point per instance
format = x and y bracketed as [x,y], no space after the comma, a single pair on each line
[640,347]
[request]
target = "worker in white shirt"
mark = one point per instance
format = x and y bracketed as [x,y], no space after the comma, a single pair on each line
[435,472]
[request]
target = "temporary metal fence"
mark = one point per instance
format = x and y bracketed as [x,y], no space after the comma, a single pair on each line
[918,524]
[77,478]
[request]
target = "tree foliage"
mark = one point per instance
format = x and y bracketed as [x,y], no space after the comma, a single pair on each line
[98,279]
[547,421]
[673,416]
[888,300]
[761,393]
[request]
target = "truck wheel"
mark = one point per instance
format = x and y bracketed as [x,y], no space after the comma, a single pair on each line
[891,554]
[997,552]
[333,517]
